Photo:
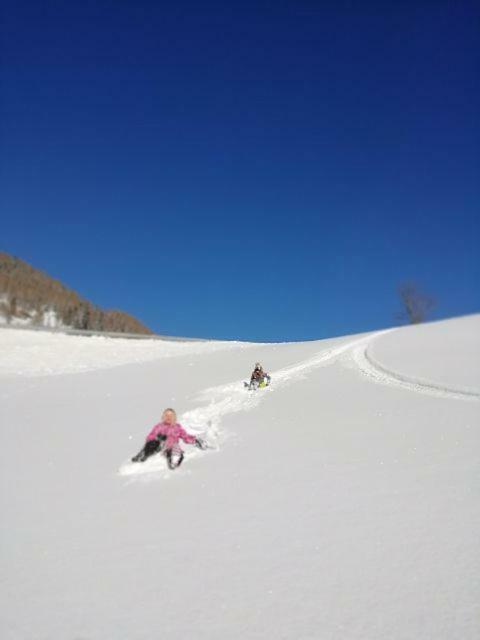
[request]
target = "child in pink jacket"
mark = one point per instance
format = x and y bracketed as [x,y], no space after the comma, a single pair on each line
[165,436]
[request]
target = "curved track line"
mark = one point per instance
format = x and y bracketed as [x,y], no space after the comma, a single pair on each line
[378,373]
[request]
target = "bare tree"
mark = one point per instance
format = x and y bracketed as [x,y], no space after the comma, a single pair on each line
[416,304]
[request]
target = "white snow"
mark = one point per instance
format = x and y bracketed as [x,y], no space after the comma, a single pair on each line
[430,353]
[16,322]
[51,320]
[30,353]
[27,317]
[340,503]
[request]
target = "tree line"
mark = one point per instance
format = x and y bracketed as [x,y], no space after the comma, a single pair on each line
[28,293]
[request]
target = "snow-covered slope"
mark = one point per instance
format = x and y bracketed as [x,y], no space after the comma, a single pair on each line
[340,503]
[29,353]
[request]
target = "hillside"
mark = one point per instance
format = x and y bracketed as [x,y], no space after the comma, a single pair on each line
[30,297]
[340,503]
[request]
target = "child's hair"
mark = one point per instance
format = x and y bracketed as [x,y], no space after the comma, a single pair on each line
[171,411]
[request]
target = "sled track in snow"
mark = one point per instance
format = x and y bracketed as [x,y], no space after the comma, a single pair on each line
[226,399]
[220,401]
[381,375]
[231,398]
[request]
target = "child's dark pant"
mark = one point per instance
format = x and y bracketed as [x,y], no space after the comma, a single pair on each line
[151,447]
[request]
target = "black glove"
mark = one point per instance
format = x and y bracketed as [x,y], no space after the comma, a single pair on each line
[201,444]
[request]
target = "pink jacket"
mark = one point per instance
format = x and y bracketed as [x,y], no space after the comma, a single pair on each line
[174,433]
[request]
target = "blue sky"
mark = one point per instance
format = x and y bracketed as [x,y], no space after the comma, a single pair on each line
[257,171]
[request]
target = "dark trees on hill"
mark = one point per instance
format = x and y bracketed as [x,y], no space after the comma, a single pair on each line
[30,293]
